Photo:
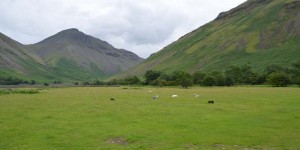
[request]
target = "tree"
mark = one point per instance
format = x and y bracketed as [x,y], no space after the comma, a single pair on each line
[295,71]
[33,82]
[98,82]
[86,83]
[229,81]
[159,82]
[235,73]
[274,68]
[132,80]
[279,79]
[151,76]
[209,80]
[113,82]
[218,78]
[185,79]
[198,77]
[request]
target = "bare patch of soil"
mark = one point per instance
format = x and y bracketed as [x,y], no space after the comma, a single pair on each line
[117,140]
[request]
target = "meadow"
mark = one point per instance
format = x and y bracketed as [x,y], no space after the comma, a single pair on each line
[85,118]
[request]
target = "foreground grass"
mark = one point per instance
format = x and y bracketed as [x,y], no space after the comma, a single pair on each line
[86,118]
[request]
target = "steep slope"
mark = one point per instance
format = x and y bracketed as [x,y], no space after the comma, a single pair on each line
[260,32]
[71,53]
[16,60]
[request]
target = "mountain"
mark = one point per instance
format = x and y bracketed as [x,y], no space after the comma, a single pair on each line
[67,55]
[73,53]
[259,32]
[16,60]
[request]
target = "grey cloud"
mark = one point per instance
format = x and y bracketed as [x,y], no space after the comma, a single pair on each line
[142,26]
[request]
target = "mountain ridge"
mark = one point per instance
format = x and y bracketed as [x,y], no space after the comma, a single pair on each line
[67,55]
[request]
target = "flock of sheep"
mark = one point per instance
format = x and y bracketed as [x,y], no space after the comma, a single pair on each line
[174,96]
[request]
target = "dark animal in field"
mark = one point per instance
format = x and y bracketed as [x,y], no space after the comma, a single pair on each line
[112,99]
[211,102]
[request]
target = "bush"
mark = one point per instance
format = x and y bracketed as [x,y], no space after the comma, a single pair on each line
[198,77]
[46,84]
[151,76]
[209,81]
[86,83]
[33,82]
[19,91]
[229,81]
[278,79]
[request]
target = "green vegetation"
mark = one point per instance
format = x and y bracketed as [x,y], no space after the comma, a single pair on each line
[19,91]
[274,75]
[86,118]
[256,32]
[14,81]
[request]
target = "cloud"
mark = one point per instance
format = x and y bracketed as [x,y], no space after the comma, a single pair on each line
[141,26]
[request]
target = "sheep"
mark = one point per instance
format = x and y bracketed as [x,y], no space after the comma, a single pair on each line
[196,95]
[211,102]
[150,91]
[174,96]
[155,97]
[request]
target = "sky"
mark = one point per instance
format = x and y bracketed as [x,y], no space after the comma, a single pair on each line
[141,26]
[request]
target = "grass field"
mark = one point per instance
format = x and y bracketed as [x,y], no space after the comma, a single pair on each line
[86,118]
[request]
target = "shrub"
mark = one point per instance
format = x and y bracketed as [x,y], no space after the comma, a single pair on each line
[198,77]
[229,81]
[33,82]
[279,79]
[209,81]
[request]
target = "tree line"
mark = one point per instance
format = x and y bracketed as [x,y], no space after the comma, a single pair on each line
[14,81]
[274,75]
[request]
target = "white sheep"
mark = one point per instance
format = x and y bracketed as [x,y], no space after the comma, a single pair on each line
[196,95]
[155,97]
[174,96]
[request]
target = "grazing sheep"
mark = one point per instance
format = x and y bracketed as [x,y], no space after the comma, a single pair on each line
[196,95]
[150,91]
[112,99]
[155,97]
[211,102]
[174,96]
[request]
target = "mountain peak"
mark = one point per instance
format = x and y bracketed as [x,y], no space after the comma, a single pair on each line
[71,30]
[67,36]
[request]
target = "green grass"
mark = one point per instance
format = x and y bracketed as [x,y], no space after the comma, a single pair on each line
[257,35]
[86,118]
[19,91]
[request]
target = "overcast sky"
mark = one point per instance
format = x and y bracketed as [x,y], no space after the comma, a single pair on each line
[140,26]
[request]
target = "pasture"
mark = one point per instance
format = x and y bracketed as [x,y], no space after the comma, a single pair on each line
[128,118]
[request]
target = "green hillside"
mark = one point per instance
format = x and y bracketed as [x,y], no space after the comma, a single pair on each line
[17,61]
[259,32]
[69,55]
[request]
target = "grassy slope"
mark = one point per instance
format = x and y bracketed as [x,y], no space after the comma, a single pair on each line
[67,56]
[85,118]
[258,36]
